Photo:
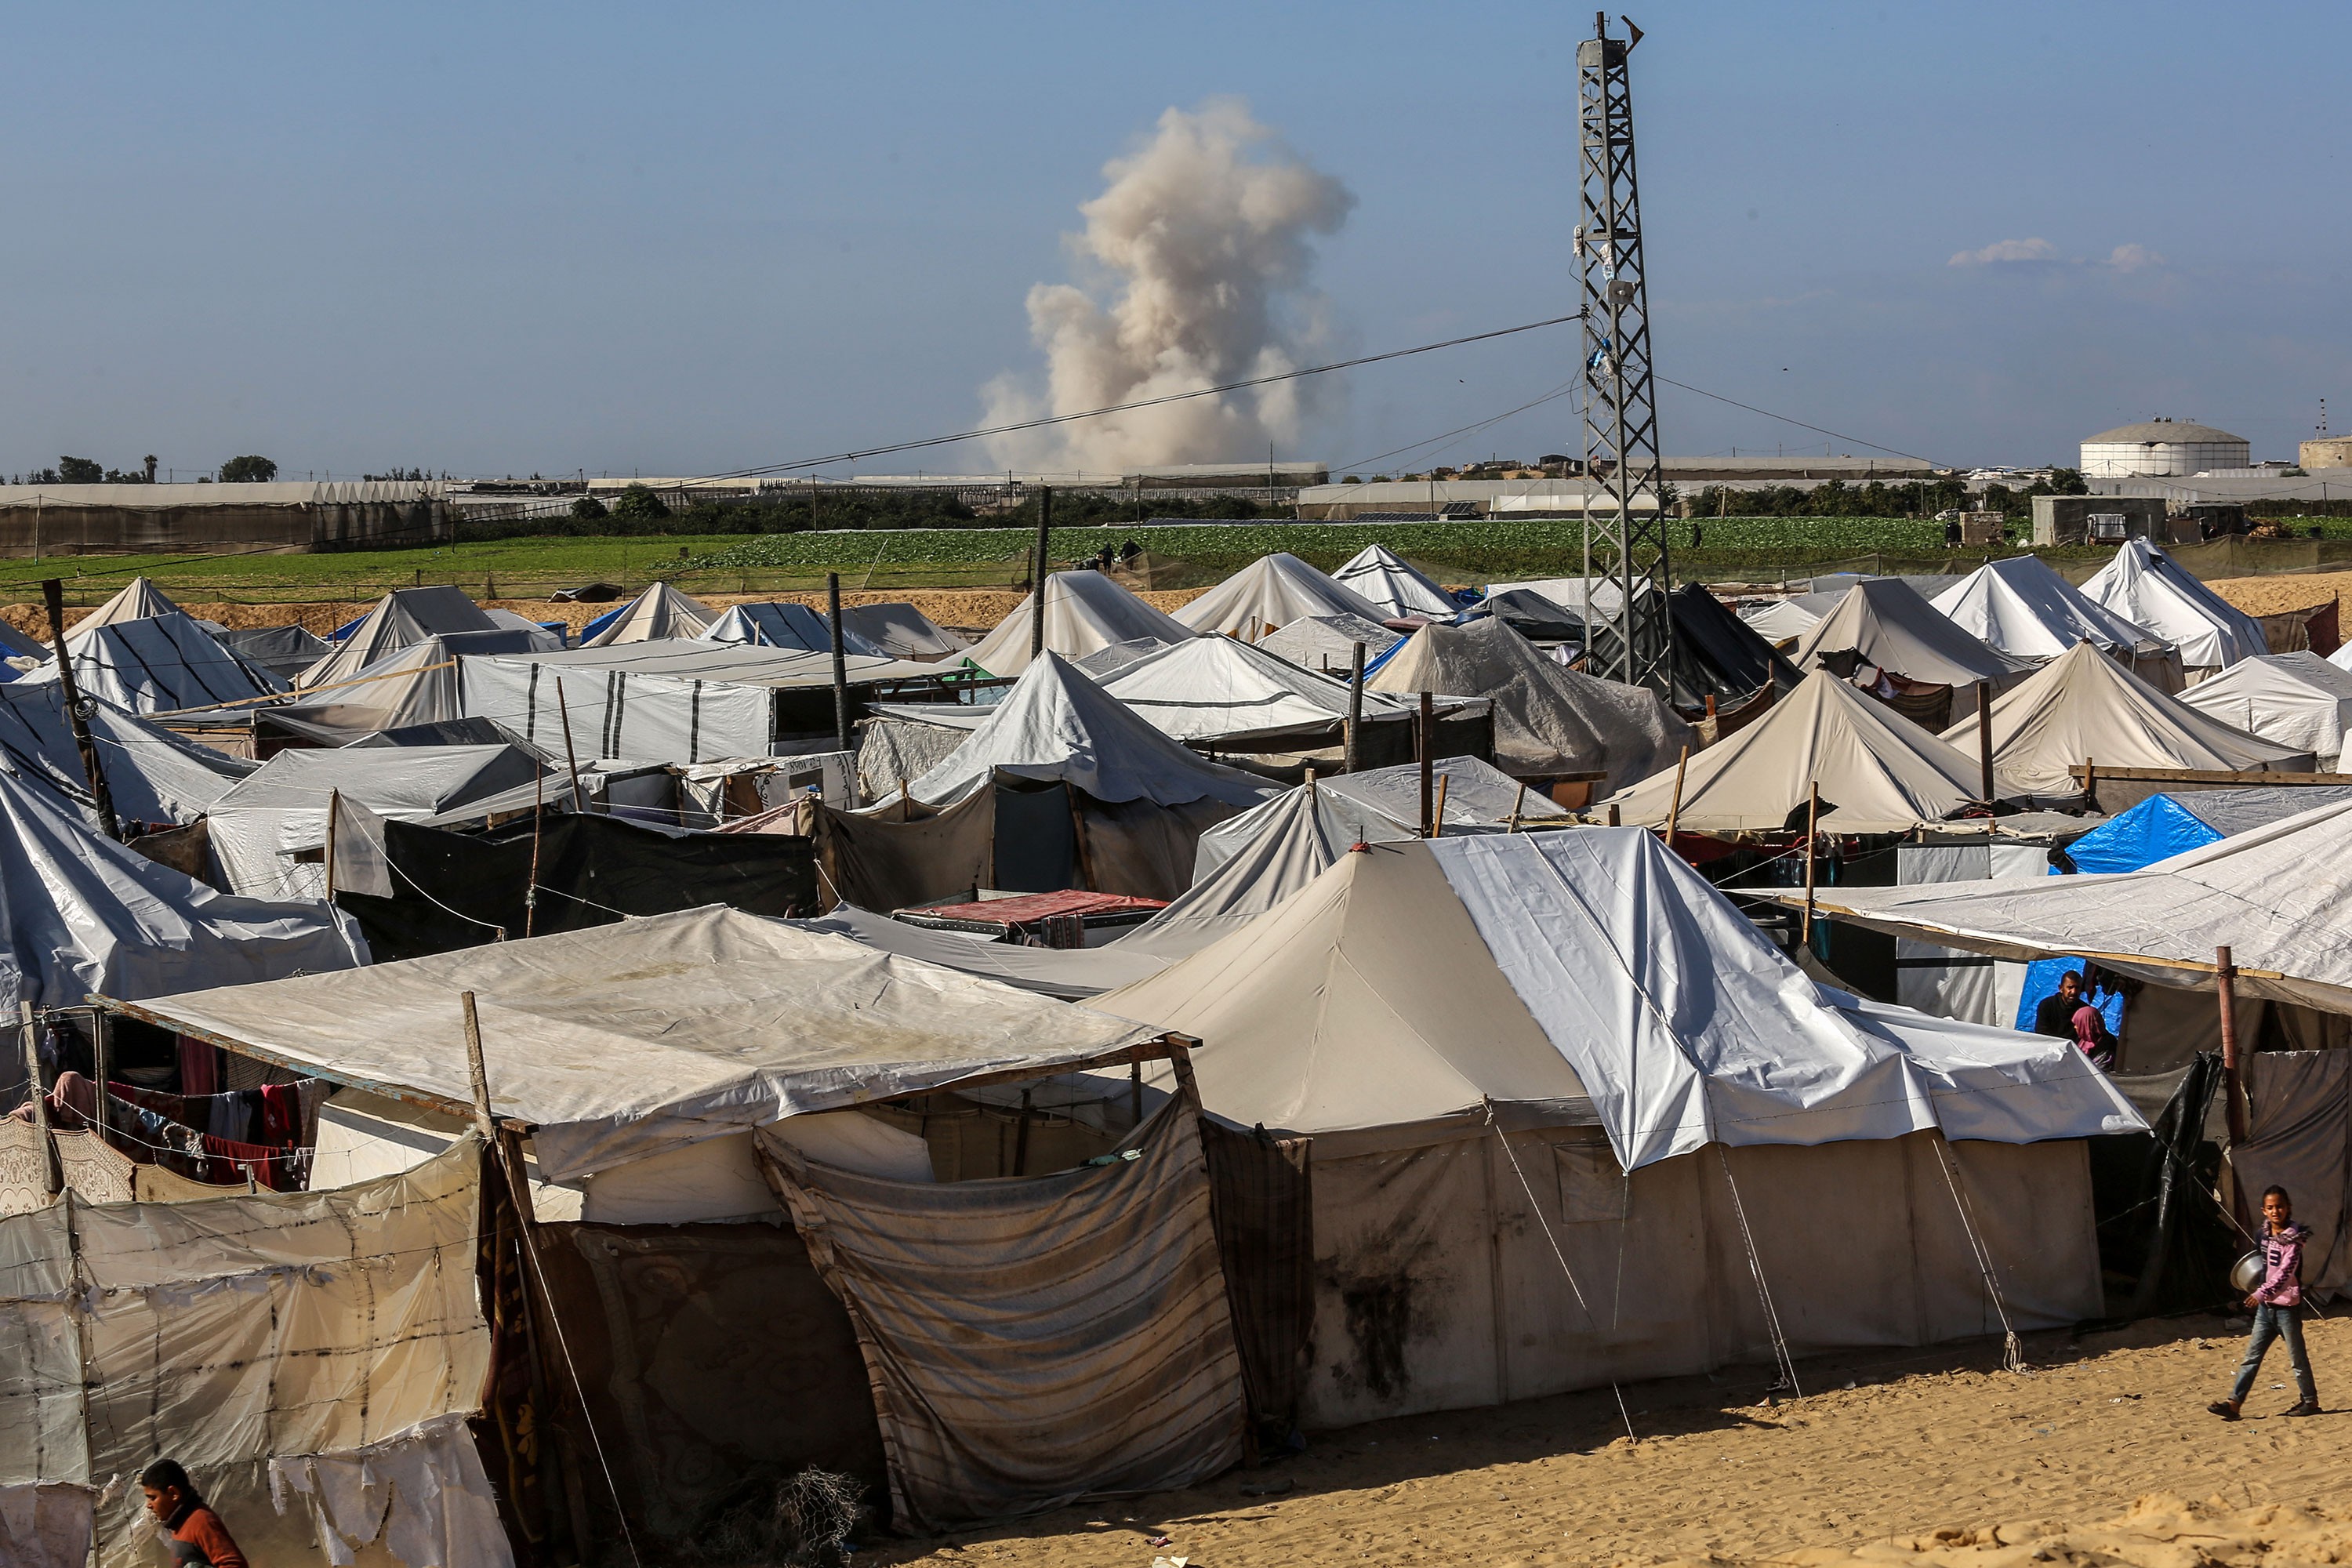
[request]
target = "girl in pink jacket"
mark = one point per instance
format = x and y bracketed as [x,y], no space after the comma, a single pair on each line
[2277,1303]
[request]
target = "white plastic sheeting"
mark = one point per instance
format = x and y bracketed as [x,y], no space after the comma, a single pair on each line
[624,1040]
[1055,723]
[2298,701]
[1073,973]
[1377,574]
[1782,620]
[1383,804]
[1269,593]
[660,613]
[2149,588]
[1581,974]
[1885,624]
[1547,719]
[2083,707]
[902,631]
[45,1526]
[418,685]
[163,664]
[1328,642]
[152,775]
[81,914]
[137,600]
[424,1494]
[1878,771]
[2280,897]
[1218,688]
[2020,606]
[406,616]
[1086,612]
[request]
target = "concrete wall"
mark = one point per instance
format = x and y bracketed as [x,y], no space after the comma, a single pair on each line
[102,520]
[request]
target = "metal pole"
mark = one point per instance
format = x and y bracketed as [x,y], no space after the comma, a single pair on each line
[2233,1091]
[1984,738]
[53,595]
[570,757]
[32,1034]
[1038,577]
[1355,712]
[840,663]
[1424,745]
[1812,818]
[335,815]
[538,825]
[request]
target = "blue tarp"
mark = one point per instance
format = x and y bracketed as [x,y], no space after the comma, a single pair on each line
[2156,829]
[2042,980]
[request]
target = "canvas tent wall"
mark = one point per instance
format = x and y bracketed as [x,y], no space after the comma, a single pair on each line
[1878,772]
[1382,577]
[2298,701]
[418,685]
[657,615]
[1220,693]
[2083,707]
[1882,628]
[137,600]
[1383,804]
[2021,608]
[1717,655]
[1085,613]
[2149,588]
[284,651]
[408,615]
[901,631]
[1323,643]
[165,664]
[1783,621]
[1547,720]
[1269,593]
[1429,1014]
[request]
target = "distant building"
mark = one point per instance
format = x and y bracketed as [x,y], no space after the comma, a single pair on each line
[2162,449]
[170,519]
[2328,452]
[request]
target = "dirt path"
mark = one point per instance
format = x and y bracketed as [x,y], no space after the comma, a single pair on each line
[1894,1446]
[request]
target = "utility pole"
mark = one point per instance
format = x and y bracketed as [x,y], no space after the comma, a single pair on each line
[1634,642]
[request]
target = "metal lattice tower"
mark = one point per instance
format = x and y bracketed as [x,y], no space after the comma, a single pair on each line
[1633,640]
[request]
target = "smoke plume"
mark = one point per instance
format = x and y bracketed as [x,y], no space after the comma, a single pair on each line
[1195,261]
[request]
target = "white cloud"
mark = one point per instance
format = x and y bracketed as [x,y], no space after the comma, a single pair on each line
[2006,250]
[2133,258]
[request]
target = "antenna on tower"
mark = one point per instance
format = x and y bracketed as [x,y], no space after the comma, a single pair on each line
[1633,639]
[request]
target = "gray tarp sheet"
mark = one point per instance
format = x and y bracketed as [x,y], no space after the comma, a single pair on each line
[1032,1341]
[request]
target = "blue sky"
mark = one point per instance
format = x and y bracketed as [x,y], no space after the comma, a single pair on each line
[689,238]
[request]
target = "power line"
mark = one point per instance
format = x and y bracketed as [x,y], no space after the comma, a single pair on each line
[1785,419]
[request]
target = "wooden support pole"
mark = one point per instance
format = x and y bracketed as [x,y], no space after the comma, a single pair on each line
[570,757]
[1424,746]
[1021,1138]
[1518,807]
[102,1051]
[1613,814]
[1674,802]
[1812,821]
[1045,563]
[1984,738]
[335,819]
[537,825]
[2233,1091]
[31,1029]
[1437,817]
[53,597]
[840,663]
[1355,711]
[476,1072]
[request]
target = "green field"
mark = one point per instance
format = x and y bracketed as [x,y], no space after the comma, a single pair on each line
[1750,548]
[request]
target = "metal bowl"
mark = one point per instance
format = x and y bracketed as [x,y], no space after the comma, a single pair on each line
[2247,1272]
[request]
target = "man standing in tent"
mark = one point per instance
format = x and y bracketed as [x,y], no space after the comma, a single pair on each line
[2055,1015]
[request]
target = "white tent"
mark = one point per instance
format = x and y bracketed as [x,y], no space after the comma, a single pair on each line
[2278,896]
[284,651]
[786,624]
[2149,588]
[1085,612]
[1268,594]
[1328,642]
[165,664]
[1782,620]
[1055,723]
[2083,707]
[418,685]
[1382,577]
[153,775]
[902,631]
[1884,623]
[1072,974]
[408,615]
[1878,771]
[1547,719]
[140,600]
[2020,607]
[82,913]
[2298,701]
[657,615]
[629,1040]
[1219,689]
[260,828]
[1383,804]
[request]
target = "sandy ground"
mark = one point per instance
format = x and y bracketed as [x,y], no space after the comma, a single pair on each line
[2287,591]
[1925,1457]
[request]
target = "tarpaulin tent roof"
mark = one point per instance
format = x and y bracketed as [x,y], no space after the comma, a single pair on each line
[657,615]
[1072,974]
[2298,701]
[2084,707]
[82,913]
[1381,804]
[1578,975]
[418,685]
[1878,771]
[1216,687]
[1055,723]
[1883,622]
[284,651]
[2149,588]
[1547,719]
[1084,611]
[140,600]
[2280,897]
[629,1039]
[152,775]
[902,631]
[1269,593]
[1785,620]
[1532,615]
[786,624]
[408,615]
[1717,654]
[165,664]
[1328,642]
[1377,574]
[2164,825]
[2019,605]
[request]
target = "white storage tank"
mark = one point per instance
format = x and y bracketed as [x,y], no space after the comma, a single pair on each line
[2162,448]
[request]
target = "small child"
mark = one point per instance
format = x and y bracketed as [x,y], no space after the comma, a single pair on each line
[197,1537]
[2276,1302]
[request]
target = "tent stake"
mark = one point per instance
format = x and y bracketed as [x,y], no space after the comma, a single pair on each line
[840,665]
[1355,711]
[53,595]
[1674,805]
[1812,817]
[1984,738]
[32,1033]
[2234,1089]
[578,798]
